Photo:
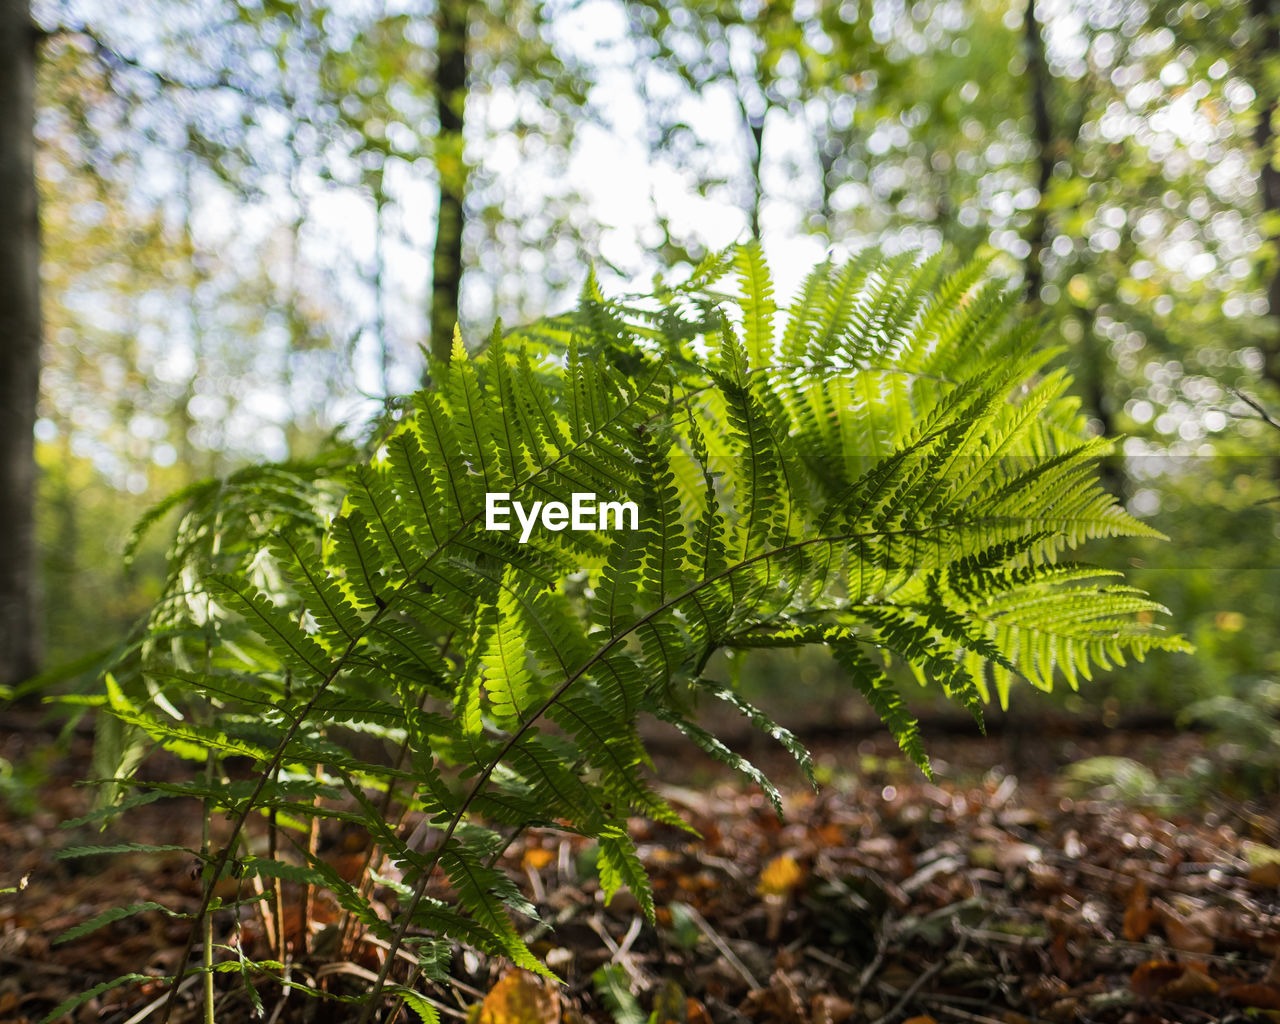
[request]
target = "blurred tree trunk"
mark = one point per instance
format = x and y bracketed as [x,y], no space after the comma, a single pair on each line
[1091,353]
[19,344]
[452,21]
[1042,127]
[1262,76]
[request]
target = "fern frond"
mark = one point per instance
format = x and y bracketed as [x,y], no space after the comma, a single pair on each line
[885,466]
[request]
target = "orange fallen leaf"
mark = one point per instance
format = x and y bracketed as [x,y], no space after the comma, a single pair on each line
[1138,914]
[535,858]
[520,998]
[1150,978]
[926,1019]
[695,1012]
[1258,996]
[780,876]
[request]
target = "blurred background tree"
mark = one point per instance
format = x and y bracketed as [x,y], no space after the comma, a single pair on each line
[20,626]
[256,217]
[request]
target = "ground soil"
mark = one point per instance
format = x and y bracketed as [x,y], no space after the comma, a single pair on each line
[1003,891]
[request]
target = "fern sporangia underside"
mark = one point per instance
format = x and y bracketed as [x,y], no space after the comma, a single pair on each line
[885,467]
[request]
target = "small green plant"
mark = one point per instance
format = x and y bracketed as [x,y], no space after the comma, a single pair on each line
[1245,732]
[885,469]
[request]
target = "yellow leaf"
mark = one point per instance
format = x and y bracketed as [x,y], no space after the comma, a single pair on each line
[780,876]
[520,998]
[536,858]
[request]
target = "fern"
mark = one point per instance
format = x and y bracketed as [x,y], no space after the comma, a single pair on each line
[886,469]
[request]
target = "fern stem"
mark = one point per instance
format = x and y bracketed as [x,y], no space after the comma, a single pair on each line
[206,920]
[238,825]
[367,869]
[273,848]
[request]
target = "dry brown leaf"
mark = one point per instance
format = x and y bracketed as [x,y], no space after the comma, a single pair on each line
[1064,961]
[787,999]
[925,1019]
[520,998]
[1138,914]
[824,1009]
[695,1012]
[1272,977]
[1259,996]
[1194,982]
[1149,979]
[1190,933]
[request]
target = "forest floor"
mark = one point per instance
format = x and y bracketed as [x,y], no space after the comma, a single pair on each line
[1005,891]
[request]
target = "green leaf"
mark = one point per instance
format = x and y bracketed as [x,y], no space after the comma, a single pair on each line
[110,915]
[67,1005]
[614,988]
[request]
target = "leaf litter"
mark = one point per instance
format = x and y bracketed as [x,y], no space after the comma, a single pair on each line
[987,896]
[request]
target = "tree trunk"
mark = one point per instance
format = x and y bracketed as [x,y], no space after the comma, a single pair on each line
[1267,36]
[452,19]
[1038,72]
[19,345]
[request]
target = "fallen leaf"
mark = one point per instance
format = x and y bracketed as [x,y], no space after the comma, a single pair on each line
[1259,996]
[1264,863]
[787,999]
[1150,978]
[780,876]
[824,1009]
[520,998]
[1194,982]
[536,858]
[695,1012]
[1138,914]
[1266,875]
[670,1005]
[1190,933]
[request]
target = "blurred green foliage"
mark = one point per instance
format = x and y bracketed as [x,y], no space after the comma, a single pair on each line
[215,176]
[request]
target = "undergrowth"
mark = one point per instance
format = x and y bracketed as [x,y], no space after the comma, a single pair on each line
[888,468]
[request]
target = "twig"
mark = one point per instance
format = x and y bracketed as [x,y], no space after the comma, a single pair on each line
[632,932]
[619,953]
[723,948]
[882,947]
[925,977]
[1257,407]
[826,958]
[942,1006]
[285,988]
[156,1003]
